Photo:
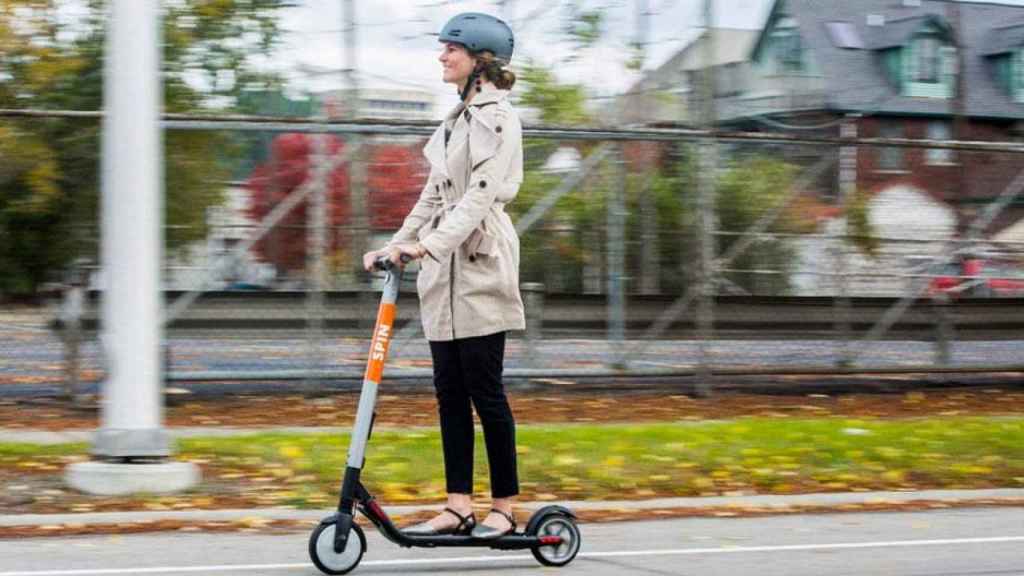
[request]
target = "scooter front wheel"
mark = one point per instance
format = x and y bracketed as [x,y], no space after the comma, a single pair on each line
[564,527]
[321,549]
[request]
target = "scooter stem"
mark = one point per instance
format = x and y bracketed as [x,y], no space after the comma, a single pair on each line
[382,333]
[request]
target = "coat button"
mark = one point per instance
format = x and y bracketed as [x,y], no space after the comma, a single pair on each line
[498,129]
[472,258]
[448,183]
[483,184]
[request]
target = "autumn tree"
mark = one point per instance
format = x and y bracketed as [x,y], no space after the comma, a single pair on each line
[291,165]
[395,177]
[49,181]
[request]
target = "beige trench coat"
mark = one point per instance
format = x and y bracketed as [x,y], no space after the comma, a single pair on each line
[468,283]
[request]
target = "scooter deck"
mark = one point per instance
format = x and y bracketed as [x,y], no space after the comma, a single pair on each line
[514,541]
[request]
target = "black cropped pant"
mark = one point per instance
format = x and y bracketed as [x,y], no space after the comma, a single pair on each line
[467,372]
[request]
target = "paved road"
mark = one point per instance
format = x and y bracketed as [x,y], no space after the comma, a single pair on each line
[32,358]
[942,543]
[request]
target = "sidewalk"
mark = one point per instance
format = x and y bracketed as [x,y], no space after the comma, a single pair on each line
[763,504]
[50,437]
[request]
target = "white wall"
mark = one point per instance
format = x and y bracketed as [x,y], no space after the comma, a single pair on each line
[901,212]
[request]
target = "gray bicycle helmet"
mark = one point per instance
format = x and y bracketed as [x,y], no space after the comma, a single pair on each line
[477,31]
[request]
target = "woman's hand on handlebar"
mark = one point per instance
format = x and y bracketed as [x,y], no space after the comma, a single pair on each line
[370,257]
[404,252]
[399,254]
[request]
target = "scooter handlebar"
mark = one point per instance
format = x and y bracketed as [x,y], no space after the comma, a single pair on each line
[384,263]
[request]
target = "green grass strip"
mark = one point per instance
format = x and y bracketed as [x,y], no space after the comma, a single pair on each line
[685,459]
[757,455]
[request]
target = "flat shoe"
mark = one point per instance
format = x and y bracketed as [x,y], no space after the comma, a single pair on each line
[482,532]
[465,525]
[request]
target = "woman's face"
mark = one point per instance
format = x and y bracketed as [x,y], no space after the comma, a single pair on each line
[457,62]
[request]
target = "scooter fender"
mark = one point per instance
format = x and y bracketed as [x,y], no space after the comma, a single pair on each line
[539,515]
[332,519]
[342,529]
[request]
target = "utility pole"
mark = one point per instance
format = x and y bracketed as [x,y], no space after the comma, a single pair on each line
[359,236]
[131,445]
[359,192]
[507,9]
[959,106]
[943,323]
[650,270]
[643,14]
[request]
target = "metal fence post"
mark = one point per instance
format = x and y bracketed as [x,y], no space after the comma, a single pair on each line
[534,296]
[71,311]
[706,213]
[705,309]
[943,329]
[650,261]
[616,239]
[360,237]
[316,236]
[847,189]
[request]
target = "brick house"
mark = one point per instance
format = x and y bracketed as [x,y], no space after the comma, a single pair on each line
[891,67]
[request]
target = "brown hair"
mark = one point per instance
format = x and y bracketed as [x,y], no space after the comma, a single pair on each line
[495,71]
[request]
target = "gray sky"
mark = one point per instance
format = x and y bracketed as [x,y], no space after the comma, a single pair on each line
[395,48]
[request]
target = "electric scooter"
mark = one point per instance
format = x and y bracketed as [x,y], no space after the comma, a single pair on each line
[337,544]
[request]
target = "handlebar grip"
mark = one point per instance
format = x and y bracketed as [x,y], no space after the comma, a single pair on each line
[384,263]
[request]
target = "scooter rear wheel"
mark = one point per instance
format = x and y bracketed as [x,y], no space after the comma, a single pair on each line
[321,549]
[557,525]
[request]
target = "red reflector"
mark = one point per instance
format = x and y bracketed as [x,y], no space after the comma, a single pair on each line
[376,509]
[550,540]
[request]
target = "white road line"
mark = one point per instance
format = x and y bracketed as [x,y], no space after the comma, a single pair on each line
[496,558]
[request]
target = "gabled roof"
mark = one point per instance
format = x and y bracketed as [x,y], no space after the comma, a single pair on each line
[1004,39]
[855,79]
[732,46]
[897,33]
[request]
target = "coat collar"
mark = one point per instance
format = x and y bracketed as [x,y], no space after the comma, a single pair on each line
[434,151]
[488,94]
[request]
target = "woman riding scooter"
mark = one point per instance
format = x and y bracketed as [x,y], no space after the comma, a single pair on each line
[468,282]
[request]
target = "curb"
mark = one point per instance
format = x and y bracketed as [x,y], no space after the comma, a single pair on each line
[1013,496]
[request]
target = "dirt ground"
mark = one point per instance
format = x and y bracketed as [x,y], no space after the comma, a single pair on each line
[419,409]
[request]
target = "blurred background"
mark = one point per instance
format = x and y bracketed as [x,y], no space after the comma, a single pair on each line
[696,197]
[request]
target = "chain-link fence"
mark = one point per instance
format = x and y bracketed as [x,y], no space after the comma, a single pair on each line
[804,276]
[786,237]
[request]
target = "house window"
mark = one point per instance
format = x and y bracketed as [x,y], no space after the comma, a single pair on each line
[929,62]
[789,51]
[890,158]
[1017,69]
[786,47]
[939,130]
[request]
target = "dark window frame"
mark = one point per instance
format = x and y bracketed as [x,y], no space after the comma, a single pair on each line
[928,60]
[891,158]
